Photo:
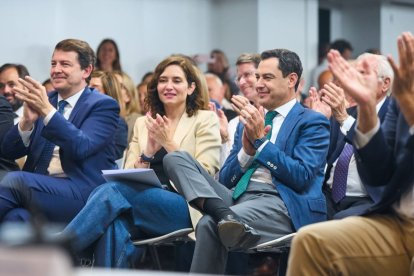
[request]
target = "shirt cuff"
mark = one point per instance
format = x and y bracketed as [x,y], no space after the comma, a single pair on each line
[245,160]
[362,139]
[25,135]
[49,116]
[411,130]
[347,124]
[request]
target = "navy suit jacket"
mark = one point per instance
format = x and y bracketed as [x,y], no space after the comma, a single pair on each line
[388,159]
[296,162]
[86,139]
[337,143]
[6,123]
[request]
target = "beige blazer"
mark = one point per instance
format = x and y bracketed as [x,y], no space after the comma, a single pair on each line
[199,135]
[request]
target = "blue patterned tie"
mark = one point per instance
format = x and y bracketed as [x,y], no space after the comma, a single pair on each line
[341,173]
[48,148]
[241,186]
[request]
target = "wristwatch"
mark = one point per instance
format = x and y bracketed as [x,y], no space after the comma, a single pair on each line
[145,158]
[258,142]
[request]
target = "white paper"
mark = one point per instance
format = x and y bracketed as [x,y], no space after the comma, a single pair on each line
[133,176]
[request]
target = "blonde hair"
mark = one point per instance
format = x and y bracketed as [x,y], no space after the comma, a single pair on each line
[111,87]
[133,105]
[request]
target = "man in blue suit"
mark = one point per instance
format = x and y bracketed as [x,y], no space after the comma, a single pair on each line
[382,241]
[67,137]
[355,197]
[272,180]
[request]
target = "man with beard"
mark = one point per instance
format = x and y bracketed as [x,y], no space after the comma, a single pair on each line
[9,76]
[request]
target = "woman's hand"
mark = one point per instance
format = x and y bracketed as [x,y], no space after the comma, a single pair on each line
[161,133]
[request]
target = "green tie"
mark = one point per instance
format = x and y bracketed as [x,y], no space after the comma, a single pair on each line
[244,180]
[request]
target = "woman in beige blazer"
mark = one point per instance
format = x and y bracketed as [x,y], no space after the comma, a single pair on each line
[118,212]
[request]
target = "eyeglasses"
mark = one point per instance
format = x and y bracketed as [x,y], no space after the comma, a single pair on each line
[245,75]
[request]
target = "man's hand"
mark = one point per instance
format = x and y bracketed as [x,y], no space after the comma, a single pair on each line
[34,95]
[317,105]
[361,87]
[334,96]
[29,117]
[403,86]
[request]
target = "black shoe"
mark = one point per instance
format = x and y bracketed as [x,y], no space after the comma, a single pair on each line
[235,234]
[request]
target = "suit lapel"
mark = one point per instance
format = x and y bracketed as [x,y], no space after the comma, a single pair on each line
[80,105]
[183,127]
[383,110]
[288,125]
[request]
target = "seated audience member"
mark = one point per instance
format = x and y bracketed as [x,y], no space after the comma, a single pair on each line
[107,56]
[66,135]
[321,74]
[48,85]
[272,180]
[131,100]
[107,83]
[246,66]
[216,92]
[380,242]
[219,65]
[146,78]
[345,192]
[118,212]
[142,93]
[6,122]
[9,76]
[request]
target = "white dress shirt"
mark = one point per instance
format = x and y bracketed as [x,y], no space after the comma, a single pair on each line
[262,174]
[354,186]
[55,167]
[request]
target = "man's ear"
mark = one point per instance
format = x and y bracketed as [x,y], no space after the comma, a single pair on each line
[88,71]
[292,80]
[387,84]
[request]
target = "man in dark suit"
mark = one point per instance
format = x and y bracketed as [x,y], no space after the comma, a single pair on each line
[272,180]
[353,197]
[381,242]
[9,78]
[6,122]
[67,137]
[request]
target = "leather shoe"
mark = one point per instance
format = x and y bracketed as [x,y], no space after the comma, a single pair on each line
[234,234]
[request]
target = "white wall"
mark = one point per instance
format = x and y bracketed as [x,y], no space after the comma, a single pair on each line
[360,26]
[146,30]
[292,25]
[395,19]
[234,27]
[149,30]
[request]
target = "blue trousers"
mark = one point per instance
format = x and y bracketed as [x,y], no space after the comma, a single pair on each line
[58,199]
[117,213]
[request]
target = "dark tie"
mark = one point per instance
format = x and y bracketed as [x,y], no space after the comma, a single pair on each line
[48,148]
[241,186]
[341,173]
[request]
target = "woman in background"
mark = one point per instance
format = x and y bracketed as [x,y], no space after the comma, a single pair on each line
[107,83]
[108,58]
[131,100]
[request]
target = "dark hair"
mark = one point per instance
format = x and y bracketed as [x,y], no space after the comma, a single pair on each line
[149,74]
[196,101]
[116,64]
[86,56]
[21,69]
[341,45]
[248,58]
[289,62]
[46,81]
